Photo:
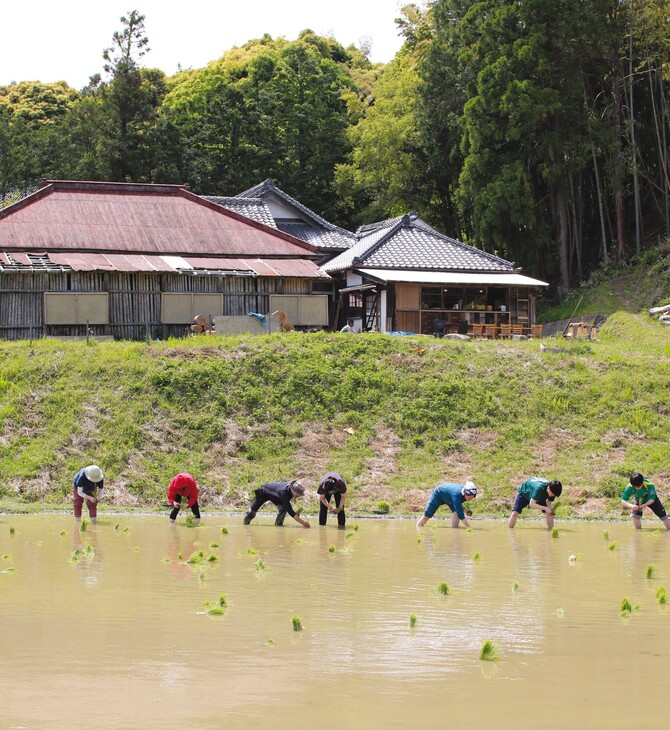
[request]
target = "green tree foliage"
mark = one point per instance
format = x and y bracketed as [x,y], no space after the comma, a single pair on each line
[273,108]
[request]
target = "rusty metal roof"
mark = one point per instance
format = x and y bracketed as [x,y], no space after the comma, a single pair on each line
[75,261]
[129,218]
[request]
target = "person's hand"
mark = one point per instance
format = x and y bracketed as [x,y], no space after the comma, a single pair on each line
[333,510]
[305,523]
[176,505]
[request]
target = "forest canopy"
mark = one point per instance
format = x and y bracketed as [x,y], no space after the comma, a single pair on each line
[537,130]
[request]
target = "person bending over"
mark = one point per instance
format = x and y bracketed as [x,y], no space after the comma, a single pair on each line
[332,485]
[641,493]
[453,495]
[535,493]
[280,494]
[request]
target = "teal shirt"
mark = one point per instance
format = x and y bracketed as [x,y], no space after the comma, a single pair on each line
[646,493]
[535,488]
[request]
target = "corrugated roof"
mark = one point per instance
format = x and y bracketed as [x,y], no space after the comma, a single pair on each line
[137,219]
[410,243]
[76,261]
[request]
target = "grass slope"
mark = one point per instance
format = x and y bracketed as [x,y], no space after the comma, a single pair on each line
[394,415]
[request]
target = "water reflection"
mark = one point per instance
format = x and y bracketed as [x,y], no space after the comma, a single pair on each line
[134,612]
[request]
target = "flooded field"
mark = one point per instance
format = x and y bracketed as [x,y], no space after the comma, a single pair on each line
[110,628]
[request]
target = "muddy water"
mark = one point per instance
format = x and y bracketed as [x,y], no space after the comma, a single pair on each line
[120,638]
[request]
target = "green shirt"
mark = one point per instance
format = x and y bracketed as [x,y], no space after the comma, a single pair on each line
[536,489]
[642,495]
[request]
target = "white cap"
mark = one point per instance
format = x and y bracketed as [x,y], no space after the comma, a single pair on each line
[93,473]
[470,488]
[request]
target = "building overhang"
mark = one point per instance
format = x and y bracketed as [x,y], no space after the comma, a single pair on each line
[486,278]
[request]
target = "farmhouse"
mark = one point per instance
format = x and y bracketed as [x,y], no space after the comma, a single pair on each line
[403,275]
[136,260]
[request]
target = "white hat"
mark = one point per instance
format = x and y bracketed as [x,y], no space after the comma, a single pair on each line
[470,489]
[93,473]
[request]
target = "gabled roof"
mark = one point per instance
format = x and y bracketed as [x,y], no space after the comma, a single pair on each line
[307,225]
[410,243]
[138,219]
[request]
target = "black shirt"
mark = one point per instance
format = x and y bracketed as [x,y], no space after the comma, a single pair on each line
[279,493]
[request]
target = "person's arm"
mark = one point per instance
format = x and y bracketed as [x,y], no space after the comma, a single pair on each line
[343,501]
[542,507]
[626,496]
[300,520]
[465,522]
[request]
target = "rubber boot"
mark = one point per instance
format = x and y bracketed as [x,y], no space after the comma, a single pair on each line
[281,515]
[249,516]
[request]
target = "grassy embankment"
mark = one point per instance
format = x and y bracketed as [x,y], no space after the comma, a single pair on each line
[395,415]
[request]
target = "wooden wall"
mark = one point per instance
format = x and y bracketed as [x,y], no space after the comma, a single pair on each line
[134,300]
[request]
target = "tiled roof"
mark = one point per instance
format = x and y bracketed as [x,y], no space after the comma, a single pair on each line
[410,243]
[253,208]
[336,239]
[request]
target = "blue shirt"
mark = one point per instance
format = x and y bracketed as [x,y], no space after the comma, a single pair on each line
[450,494]
[81,481]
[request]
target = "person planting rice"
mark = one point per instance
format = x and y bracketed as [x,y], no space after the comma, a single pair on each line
[641,493]
[280,494]
[332,485]
[535,493]
[453,495]
[88,485]
[183,485]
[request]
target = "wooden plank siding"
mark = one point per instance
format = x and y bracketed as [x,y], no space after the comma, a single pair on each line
[134,300]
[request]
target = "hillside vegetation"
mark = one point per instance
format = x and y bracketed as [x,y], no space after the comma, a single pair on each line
[395,415]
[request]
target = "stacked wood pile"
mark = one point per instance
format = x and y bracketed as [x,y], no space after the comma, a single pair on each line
[201,326]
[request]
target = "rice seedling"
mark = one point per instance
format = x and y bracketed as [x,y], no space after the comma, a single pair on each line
[661,595]
[213,545]
[213,558]
[412,620]
[224,530]
[136,549]
[554,532]
[477,555]
[612,546]
[383,507]
[443,588]
[180,556]
[12,530]
[260,565]
[62,533]
[202,575]
[83,526]
[515,587]
[331,548]
[252,551]
[419,540]
[560,613]
[116,527]
[344,550]
[489,652]
[651,571]
[270,642]
[297,623]
[355,527]
[468,529]
[215,611]
[606,535]
[350,535]
[11,569]
[190,521]
[196,557]
[223,601]
[126,528]
[165,559]
[627,607]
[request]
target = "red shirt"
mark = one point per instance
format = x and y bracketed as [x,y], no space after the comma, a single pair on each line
[183,485]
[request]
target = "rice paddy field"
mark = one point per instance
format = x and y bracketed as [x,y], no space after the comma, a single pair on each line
[136,623]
